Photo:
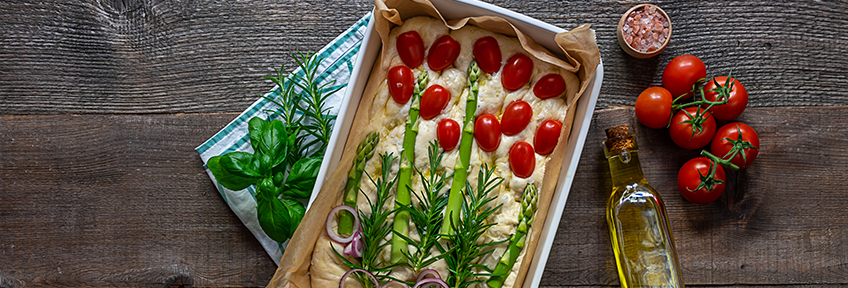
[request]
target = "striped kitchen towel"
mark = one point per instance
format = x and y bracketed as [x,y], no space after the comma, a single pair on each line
[337,65]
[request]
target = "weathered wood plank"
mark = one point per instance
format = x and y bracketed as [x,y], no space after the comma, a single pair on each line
[114,201]
[122,200]
[781,221]
[150,56]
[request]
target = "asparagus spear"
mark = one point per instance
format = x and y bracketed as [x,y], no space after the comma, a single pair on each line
[363,154]
[460,174]
[516,242]
[401,224]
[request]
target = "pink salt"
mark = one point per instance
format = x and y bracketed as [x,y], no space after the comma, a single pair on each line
[645,29]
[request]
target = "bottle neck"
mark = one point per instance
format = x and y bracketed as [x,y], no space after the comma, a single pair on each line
[624,167]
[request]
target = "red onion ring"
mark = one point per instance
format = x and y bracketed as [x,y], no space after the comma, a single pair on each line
[428,271]
[429,282]
[335,237]
[354,248]
[341,282]
[387,285]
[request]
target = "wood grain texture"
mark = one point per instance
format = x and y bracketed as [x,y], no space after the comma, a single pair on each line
[151,56]
[780,221]
[110,201]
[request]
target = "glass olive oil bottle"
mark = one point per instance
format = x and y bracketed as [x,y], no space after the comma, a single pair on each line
[638,226]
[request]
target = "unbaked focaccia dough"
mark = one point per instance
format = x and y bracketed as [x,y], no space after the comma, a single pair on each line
[326,268]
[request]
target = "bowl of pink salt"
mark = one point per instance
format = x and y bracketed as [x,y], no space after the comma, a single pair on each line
[644,31]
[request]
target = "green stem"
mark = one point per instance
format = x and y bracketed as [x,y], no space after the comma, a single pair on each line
[517,241]
[363,154]
[722,162]
[461,168]
[401,222]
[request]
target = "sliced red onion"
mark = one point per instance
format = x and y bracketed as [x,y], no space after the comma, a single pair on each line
[335,237]
[354,248]
[430,282]
[395,283]
[341,282]
[429,271]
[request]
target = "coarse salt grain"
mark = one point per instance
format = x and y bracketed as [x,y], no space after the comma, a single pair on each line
[645,29]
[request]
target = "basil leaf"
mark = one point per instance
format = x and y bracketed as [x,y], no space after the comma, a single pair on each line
[227,179]
[255,127]
[296,212]
[302,177]
[241,164]
[274,142]
[274,217]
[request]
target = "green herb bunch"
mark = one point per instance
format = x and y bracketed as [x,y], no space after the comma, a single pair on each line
[287,151]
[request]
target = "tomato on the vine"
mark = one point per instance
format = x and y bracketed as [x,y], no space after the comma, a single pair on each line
[443,53]
[517,72]
[447,132]
[487,132]
[522,159]
[549,86]
[488,54]
[737,98]
[547,136]
[736,142]
[700,180]
[681,73]
[433,101]
[401,84]
[692,128]
[653,107]
[410,48]
[515,118]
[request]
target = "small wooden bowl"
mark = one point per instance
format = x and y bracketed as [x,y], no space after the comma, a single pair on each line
[626,47]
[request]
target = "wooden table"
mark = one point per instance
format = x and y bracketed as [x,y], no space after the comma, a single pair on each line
[102,103]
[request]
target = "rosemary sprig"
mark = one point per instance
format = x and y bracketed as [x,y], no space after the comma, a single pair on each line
[427,215]
[375,226]
[464,252]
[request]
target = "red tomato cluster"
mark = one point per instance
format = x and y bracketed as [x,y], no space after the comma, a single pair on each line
[692,125]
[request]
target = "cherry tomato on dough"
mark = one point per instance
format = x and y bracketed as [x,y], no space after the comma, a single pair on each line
[447,132]
[522,159]
[433,101]
[487,132]
[653,107]
[517,72]
[738,135]
[681,73]
[549,86]
[736,102]
[443,52]
[410,48]
[516,117]
[401,84]
[682,127]
[547,136]
[488,54]
[694,182]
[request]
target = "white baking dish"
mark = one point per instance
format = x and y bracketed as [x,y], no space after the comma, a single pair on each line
[544,34]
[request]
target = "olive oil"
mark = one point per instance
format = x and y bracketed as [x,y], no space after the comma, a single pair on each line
[639,231]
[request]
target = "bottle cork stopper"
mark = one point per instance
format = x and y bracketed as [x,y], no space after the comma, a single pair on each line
[619,138]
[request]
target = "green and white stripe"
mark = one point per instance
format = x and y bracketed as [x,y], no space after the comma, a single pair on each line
[339,56]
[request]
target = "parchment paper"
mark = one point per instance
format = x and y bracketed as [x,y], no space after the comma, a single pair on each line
[582,58]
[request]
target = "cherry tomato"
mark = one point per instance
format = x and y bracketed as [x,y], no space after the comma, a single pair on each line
[551,85]
[682,127]
[401,84]
[433,101]
[487,132]
[410,48]
[516,117]
[517,72]
[547,136]
[736,135]
[447,132]
[488,54]
[681,73]
[653,107]
[443,52]
[736,102]
[694,183]
[522,159]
